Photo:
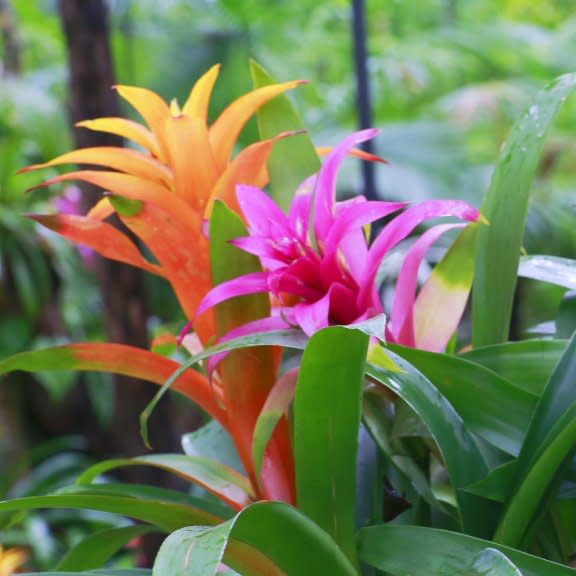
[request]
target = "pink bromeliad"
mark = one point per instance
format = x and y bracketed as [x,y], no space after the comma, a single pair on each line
[316,261]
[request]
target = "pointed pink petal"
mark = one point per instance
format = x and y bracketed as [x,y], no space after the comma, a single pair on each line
[325,194]
[401,227]
[313,317]
[263,216]
[264,248]
[299,216]
[241,286]
[402,315]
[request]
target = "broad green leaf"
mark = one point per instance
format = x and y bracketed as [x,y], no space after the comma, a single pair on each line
[550,440]
[527,364]
[505,208]
[212,439]
[102,572]
[277,539]
[247,375]
[463,459]
[492,562]
[327,407]
[95,550]
[441,302]
[167,516]
[418,551]
[292,160]
[489,405]
[222,481]
[275,407]
[552,269]
[498,484]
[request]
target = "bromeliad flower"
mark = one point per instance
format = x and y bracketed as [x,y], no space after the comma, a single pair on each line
[317,264]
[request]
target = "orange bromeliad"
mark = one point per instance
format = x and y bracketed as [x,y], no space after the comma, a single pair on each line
[183,167]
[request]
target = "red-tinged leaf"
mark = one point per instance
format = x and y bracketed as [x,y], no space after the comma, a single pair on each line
[274,409]
[194,177]
[441,302]
[249,168]
[119,359]
[125,129]
[198,101]
[183,254]
[248,375]
[123,159]
[224,482]
[225,131]
[134,188]
[104,238]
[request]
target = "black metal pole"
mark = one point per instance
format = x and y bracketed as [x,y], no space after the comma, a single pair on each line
[363,102]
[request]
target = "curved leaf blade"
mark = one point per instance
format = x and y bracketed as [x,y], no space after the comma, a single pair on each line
[552,269]
[505,207]
[327,408]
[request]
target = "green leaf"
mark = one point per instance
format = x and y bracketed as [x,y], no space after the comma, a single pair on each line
[293,159]
[95,550]
[505,208]
[223,482]
[125,206]
[527,364]
[327,407]
[462,457]
[167,516]
[418,551]
[550,440]
[489,405]
[552,269]
[373,413]
[566,318]
[492,562]
[275,539]
[212,439]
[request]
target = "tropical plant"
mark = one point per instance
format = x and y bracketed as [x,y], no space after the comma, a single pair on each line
[479,443]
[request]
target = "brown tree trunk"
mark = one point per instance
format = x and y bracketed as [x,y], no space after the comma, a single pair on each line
[85,25]
[12,54]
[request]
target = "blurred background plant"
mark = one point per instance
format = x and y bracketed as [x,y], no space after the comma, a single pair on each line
[448,77]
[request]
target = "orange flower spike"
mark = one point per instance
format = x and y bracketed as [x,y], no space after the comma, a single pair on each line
[101,210]
[190,157]
[226,129]
[122,159]
[124,128]
[199,99]
[154,111]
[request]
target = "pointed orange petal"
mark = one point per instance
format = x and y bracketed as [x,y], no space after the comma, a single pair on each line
[249,167]
[101,210]
[191,159]
[125,129]
[104,238]
[355,153]
[184,256]
[134,188]
[225,131]
[152,108]
[123,159]
[199,99]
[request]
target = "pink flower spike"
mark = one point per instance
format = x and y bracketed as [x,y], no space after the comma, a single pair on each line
[241,286]
[401,317]
[262,215]
[325,193]
[313,317]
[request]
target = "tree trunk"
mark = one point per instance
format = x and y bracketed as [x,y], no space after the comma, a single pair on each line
[12,55]
[85,25]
